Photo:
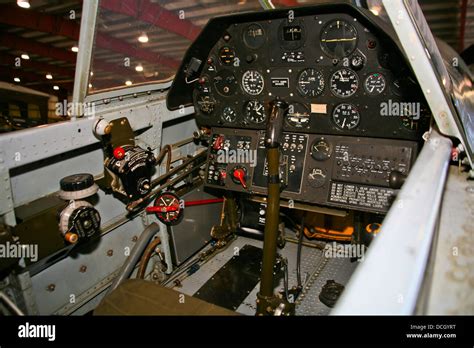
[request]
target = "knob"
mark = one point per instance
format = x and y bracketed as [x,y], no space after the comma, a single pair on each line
[396,179]
[239,176]
[119,153]
[218,142]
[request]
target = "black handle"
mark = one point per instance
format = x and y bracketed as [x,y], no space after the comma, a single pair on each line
[275,123]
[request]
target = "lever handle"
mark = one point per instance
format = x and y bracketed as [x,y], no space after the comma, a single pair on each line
[275,123]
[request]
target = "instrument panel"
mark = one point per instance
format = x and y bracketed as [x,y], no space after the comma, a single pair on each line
[354,118]
[337,76]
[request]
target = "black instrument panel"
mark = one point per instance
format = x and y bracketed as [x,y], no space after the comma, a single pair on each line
[337,77]
[355,114]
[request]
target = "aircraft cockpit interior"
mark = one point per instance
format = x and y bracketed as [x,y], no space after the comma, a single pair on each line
[286,161]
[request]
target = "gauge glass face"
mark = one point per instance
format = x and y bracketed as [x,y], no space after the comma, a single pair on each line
[206,103]
[344,83]
[229,114]
[346,116]
[375,83]
[338,39]
[254,111]
[225,83]
[252,82]
[226,55]
[254,36]
[310,83]
[316,177]
[297,115]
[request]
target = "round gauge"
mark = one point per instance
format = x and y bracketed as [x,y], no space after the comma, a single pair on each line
[346,116]
[375,83]
[206,103]
[226,55]
[316,177]
[252,82]
[344,83]
[225,83]
[321,149]
[357,62]
[297,115]
[310,83]
[291,34]
[254,36]
[167,208]
[254,111]
[338,39]
[414,121]
[228,114]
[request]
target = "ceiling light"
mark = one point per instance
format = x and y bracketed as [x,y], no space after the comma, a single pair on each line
[23,3]
[90,85]
[92,73]
[16,79]
[25,56]
[56,88]
[143,38]
[139,68]
[75,49]
[128,83]
[49,76]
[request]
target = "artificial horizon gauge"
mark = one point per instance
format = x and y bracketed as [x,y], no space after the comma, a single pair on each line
[338,39]
[229,114]
[346,116]
[375,83]
[297,115]
[252,82]
[310,83]
[344,83]
[254,112]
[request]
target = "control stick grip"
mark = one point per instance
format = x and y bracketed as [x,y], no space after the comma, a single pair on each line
[275,123]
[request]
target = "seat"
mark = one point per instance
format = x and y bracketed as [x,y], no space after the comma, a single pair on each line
[140,297]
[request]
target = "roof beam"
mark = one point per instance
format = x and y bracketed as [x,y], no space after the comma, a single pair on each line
[153,13]
[19,43]
[12,15]
[11,60]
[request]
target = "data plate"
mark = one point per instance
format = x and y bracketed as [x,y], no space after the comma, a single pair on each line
[375,198]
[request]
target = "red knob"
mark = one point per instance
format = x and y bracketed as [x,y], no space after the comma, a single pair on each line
[119,153]
[239,174]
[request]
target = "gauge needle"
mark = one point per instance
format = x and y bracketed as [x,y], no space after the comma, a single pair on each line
[338,40]
[344,122]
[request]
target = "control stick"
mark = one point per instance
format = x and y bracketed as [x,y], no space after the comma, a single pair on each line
[267,302]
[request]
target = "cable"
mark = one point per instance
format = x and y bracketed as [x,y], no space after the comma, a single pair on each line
[146,257]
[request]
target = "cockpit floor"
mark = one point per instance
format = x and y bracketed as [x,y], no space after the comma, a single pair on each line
[316,270]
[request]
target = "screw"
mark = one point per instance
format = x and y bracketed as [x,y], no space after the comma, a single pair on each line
[134,239]
[110,252]
[51,287]
[83,269]
[155,276]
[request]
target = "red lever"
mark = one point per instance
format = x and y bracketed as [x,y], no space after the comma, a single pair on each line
[239,174]
[156,209]
[218,142]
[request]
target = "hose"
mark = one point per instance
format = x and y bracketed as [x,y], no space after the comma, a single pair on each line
[135,254]
[146,257]
[165,151]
